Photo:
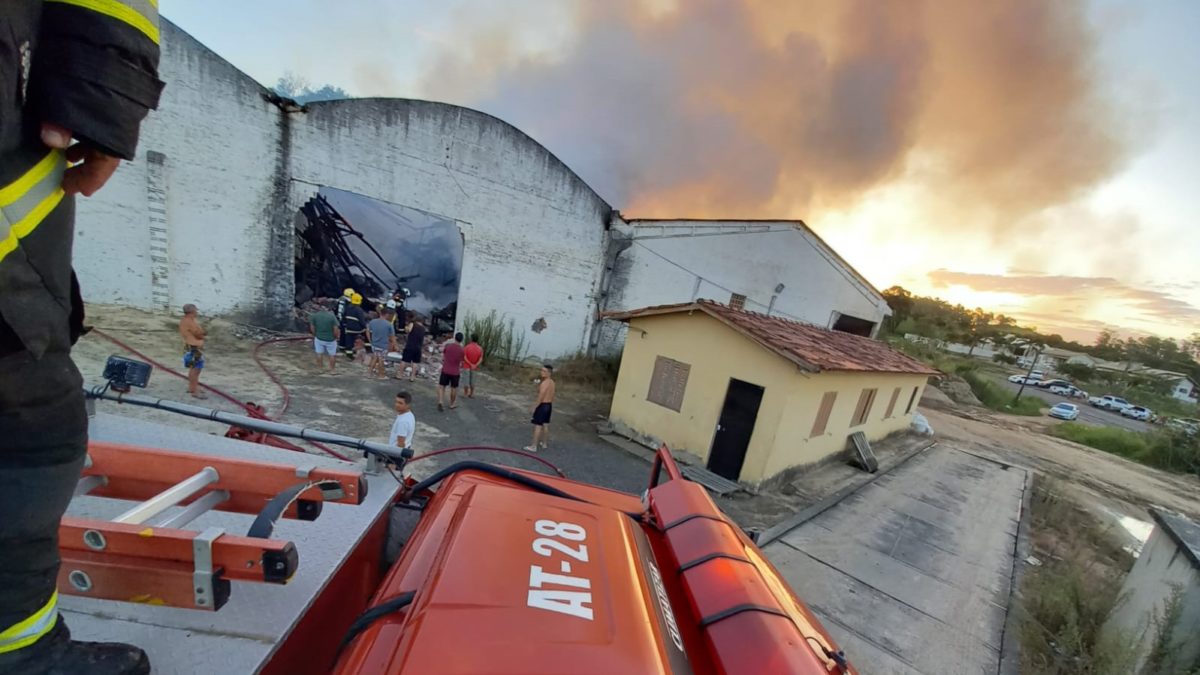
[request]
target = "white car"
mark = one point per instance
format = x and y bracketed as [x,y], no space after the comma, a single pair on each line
[1021,379]
[1109,402]
[1068,390]
[1138,412]
[1064,411]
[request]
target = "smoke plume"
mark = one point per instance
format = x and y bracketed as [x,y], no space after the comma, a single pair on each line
[759,108]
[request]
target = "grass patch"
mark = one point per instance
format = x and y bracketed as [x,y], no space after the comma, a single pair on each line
[599,373]
[1128,444]
[498,337]
[1163,449]
[998,398]
[1065,602]
[574,372]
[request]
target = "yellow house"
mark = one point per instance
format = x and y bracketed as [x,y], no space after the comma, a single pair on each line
[753,395]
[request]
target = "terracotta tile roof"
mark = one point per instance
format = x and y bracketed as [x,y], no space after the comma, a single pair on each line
[811,347]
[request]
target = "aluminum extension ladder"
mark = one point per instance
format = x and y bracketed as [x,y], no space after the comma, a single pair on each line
[145,554]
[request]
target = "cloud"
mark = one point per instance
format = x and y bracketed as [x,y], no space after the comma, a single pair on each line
[1025,284]
[1146,304]
[756,108]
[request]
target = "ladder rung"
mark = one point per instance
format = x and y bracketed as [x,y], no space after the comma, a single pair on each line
[89,483]
[195,509]
[169,497]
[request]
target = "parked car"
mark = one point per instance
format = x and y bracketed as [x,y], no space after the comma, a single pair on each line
[1109,402]
[1064,411]
[1018,379]
[1138,412]
[1046,384]
[1068,390]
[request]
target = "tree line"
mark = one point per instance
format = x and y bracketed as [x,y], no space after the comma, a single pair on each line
[935,318]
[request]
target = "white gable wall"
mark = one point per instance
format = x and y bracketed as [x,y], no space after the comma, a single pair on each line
[665,266]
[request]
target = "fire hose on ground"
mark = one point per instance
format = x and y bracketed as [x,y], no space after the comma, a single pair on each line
[257,420]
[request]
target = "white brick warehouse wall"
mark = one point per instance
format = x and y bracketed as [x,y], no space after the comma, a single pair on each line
[218,138]
[234,168]
[533,231]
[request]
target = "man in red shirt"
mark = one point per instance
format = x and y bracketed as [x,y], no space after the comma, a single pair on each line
[472,359]
[452,357]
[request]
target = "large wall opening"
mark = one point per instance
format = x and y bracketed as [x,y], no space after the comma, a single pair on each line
[381,250]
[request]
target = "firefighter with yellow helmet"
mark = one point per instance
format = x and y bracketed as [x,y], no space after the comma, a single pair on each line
[76,79]
[354,325]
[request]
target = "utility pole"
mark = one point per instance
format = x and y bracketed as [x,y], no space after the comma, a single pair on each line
[1032,365]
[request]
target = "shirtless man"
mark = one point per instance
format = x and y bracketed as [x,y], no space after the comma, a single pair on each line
[541,411]
[193,345]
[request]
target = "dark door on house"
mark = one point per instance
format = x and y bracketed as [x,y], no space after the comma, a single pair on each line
[734,429]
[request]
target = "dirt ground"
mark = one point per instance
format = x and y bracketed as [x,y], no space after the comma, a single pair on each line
[1111,487]
[349,403]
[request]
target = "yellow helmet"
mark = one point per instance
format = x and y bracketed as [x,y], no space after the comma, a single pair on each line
[349,292]
[356,299]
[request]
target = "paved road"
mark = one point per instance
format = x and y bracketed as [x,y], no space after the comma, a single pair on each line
[1087,414]
[912,573]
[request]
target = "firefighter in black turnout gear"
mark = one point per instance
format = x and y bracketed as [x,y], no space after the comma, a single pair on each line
[76,79]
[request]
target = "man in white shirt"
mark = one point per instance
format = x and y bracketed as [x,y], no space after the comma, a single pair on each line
[405,426]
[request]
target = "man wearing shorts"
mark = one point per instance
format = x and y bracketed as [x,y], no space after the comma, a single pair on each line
[413,344]
[541,411]
[452,357]
[323,326]
[472,359]
[383,340]
[193,345]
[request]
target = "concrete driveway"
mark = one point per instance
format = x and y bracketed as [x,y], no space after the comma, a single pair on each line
[1087,414]
[912,572]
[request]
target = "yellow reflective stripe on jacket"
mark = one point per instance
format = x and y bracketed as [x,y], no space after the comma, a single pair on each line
[25,202]
[30,630]
[141,14]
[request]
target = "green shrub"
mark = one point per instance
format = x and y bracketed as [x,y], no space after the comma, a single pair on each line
[1065,602]
[498,338]
[1128,444]
[997,397]
[1001,357]
[1164,449]
[1077,371]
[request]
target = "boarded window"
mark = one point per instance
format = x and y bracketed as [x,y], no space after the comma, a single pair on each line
[863,410]
[854,325]
[737,301]
[892,403]
[823,413]
[668,383]
[911,400]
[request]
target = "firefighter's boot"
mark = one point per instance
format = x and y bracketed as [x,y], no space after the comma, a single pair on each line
[57,654]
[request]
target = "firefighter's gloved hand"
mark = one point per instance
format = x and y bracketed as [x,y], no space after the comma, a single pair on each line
[87,177]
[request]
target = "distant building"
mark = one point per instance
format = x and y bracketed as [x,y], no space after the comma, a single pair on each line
[1183,386]
[755,396]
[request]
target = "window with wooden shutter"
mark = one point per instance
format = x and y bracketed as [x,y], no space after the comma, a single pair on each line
[863,409]
[737,301]
[668,383]
[823,413]
[892,403]
[911,400]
